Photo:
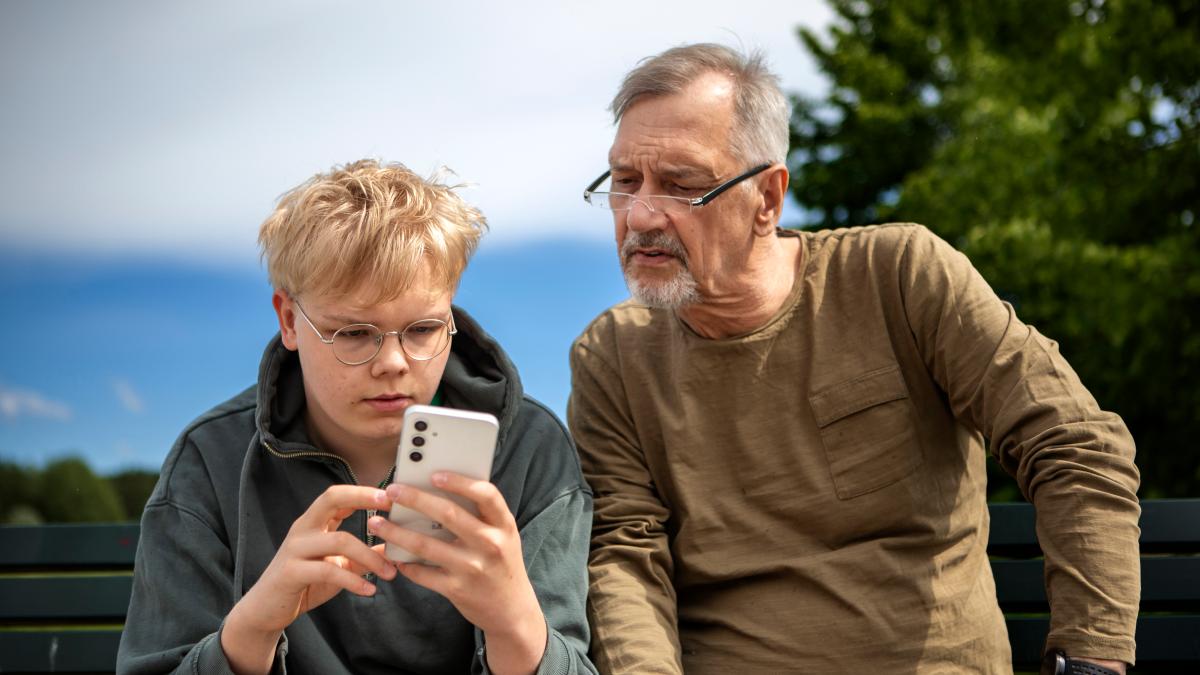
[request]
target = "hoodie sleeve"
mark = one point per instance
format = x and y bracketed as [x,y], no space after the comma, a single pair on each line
[182,584]
[555,526]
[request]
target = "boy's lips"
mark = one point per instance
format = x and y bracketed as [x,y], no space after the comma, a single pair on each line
[389,402]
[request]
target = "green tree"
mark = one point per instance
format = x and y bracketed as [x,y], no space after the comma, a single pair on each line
[1057,144]
[70,492]
[133,487]
[18,494]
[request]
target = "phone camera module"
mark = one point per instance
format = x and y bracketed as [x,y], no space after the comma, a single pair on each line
[415,456]
[421,425]
[418,441]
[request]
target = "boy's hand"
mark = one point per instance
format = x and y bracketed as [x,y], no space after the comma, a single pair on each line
[314,563]
[482,572]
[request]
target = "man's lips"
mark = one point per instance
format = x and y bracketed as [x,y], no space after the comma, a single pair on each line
[651,256]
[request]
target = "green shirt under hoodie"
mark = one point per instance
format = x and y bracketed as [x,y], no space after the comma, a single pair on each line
[240,475]
[810,497]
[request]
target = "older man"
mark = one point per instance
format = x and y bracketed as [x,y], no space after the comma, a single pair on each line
[785,431]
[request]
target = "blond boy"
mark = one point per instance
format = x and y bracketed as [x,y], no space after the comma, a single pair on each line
[262,545]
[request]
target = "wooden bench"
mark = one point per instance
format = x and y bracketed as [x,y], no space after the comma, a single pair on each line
[64,590]
[1168,628]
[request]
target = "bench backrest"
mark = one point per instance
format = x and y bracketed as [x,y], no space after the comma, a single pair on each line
[64,590]
[1168,628]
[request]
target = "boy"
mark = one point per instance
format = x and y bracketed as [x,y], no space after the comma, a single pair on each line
[262,545]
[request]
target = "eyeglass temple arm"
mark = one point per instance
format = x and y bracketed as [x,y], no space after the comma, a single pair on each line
[311,324]
[595,184]
[704,199]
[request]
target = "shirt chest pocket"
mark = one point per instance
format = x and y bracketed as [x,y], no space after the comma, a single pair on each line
[867,429]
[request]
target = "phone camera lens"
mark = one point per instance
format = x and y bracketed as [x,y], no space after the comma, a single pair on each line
[415,456]
[418,441]
[421,425]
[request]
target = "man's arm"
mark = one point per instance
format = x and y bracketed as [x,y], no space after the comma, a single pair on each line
[632,603]
[1073,460]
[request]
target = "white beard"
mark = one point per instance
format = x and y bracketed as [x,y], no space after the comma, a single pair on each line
[674,293]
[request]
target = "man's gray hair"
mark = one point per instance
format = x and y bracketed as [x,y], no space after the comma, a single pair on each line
[761,111]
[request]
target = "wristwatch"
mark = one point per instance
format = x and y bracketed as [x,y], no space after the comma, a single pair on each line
[1058,663]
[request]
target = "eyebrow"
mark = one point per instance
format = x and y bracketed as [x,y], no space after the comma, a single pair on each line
[344,320]
[672,171]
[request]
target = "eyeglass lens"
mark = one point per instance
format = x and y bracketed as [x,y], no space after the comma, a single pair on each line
[359,343]
[619,201]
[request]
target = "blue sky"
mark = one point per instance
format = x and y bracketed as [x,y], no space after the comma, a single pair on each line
[142,143]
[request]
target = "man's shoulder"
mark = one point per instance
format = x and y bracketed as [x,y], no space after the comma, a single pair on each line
[622,317]
[873,237]
[875,251]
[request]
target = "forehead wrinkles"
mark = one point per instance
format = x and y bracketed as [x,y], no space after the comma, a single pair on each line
[669,136]
[664,154]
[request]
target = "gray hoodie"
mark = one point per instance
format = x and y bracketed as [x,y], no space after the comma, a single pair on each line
[244,471]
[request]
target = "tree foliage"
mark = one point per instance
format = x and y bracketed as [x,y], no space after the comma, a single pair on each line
[68,491]
[1057,144]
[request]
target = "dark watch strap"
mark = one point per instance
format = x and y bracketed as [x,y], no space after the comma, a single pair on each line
[1077,667]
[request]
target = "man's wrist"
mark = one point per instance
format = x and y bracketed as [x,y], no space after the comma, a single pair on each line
[1058,663]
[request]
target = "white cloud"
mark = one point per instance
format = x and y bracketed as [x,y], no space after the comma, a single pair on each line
[127,396]
[178,125]
[15,403]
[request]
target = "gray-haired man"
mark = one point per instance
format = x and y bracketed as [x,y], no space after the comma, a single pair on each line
[785,430]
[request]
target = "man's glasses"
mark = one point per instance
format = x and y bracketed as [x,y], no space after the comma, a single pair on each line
[623,201]
[358,343]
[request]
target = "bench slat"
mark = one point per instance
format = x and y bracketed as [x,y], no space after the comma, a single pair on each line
[72,546]
[1171,525]
[92,651]
[72,599]
[1168,584]
[1164,643]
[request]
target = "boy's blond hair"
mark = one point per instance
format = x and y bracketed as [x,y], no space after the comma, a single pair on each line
[369,227]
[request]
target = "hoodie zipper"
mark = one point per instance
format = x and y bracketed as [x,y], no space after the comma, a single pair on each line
[326,455]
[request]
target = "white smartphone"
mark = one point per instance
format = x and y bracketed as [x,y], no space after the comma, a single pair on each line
[439,439]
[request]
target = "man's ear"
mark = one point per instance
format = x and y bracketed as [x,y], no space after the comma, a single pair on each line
[285,311]
[773,188]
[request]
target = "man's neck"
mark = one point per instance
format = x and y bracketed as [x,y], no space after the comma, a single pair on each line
[753,299]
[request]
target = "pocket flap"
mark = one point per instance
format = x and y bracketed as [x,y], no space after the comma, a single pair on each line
[857,394]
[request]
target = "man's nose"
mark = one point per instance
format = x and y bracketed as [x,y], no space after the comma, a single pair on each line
[391,357]
[642,216]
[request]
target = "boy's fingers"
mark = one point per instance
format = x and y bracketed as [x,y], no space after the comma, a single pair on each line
[346,546]
[423,546]
[327,572]
[492,507]
[440,510]
[341,500]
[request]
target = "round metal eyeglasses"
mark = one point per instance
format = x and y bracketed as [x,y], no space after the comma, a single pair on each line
[358,343]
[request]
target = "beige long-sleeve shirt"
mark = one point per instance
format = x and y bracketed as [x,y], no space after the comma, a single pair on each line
[809,497]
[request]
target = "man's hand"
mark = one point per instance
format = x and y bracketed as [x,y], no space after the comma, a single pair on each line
[482,572]
[315,562]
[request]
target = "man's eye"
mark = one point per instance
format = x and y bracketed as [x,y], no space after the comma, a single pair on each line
[355,333]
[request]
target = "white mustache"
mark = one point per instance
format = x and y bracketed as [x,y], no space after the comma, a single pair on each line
[655,239]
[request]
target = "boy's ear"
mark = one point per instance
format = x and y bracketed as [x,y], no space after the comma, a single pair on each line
[285,311]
